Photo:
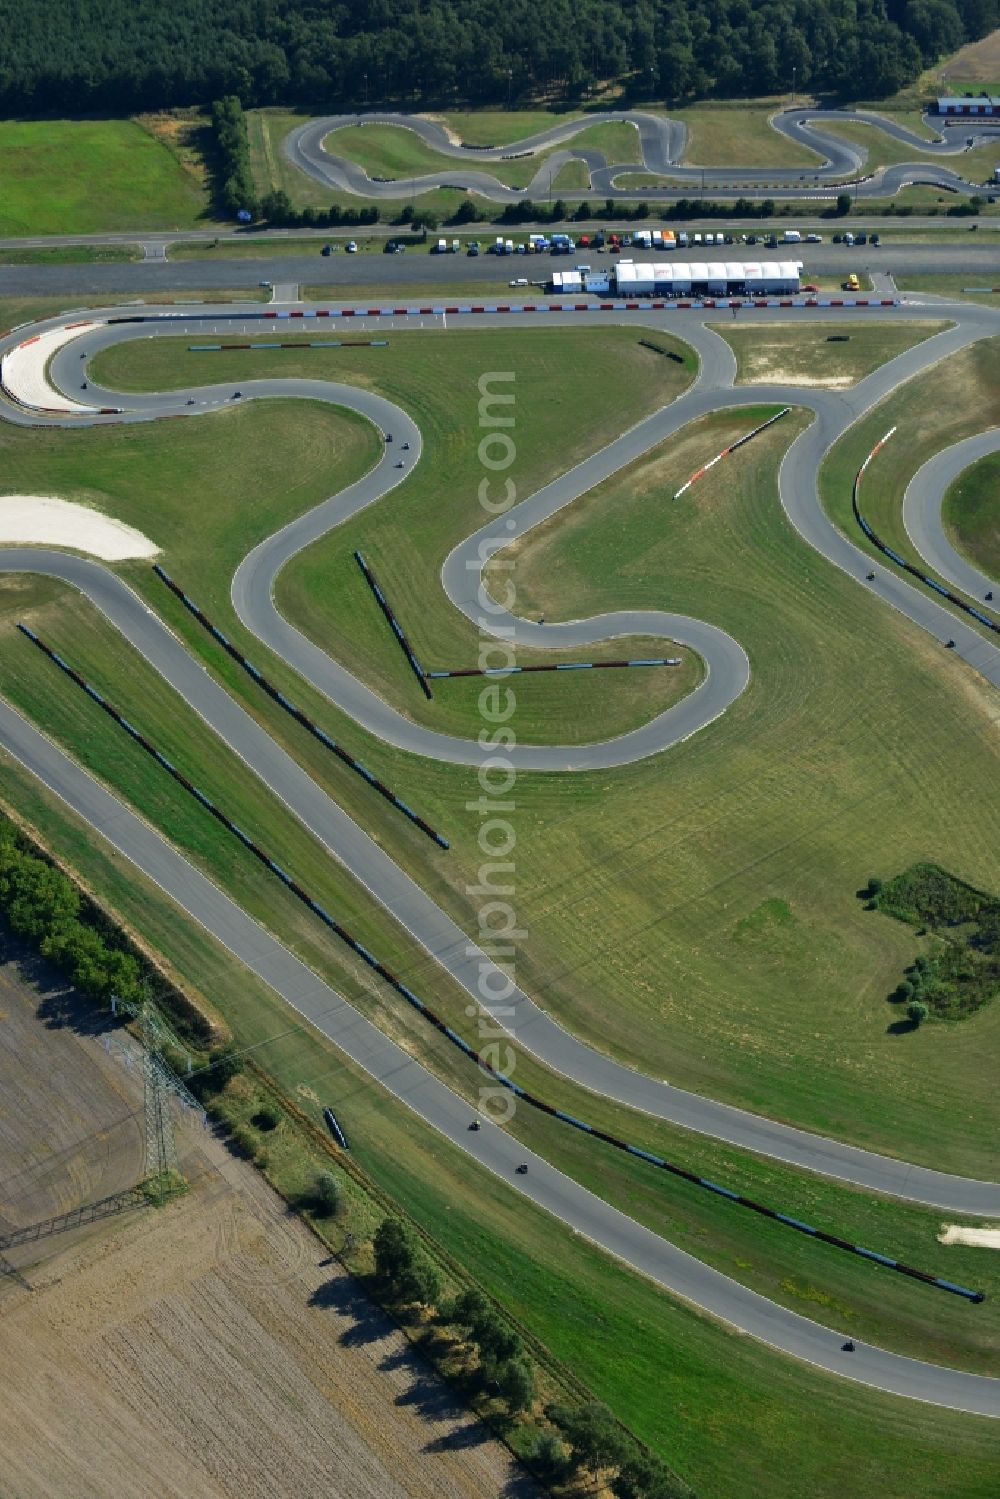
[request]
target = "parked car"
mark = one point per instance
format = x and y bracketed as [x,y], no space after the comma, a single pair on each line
[519,281]
[351,247]
[326,250]
[814,239]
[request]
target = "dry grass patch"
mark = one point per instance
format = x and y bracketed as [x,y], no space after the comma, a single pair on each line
[814,354]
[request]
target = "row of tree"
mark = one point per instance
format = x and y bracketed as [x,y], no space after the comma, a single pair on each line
[587,1439]
[236,187]
[119,55]
[42,904]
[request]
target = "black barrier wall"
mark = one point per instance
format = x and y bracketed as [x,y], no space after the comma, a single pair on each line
[297,713]
[876,541]
[395,626]
[436,1021]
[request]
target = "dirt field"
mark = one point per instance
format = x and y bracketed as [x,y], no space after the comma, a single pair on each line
[70,1114]
[206,1350]
[979,62]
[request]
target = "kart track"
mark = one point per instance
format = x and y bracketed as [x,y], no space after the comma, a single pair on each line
[661,144]
[727,675]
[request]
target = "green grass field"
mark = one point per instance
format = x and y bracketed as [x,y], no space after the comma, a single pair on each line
[739,137]
[780,352]
[950,284]
[86,176]
[972,515]
[72,255]
[796,824]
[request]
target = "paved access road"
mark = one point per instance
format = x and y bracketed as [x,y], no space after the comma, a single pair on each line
[390,885]
[661,143]
[368,273]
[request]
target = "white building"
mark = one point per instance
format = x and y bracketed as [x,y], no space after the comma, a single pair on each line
[678,278]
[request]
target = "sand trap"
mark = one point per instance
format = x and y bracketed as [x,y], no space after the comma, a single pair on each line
[23,372]
[983,1238]
[46,521]
[765,375]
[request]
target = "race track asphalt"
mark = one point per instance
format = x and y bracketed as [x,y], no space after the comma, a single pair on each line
[922,513]
[446,942]
[661,145]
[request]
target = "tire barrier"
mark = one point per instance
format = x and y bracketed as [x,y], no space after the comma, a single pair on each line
[406,993]
[395,626]
[747,437]
[508,671]
[331,343]
[887,551]
[333,1125]
[439,309]
[658,349]
[297,713]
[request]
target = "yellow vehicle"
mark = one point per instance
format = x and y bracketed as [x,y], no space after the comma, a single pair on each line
[852,283]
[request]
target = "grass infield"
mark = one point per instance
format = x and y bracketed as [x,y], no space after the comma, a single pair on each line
[972,516]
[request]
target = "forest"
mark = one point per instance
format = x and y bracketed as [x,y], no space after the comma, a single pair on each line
[119,56]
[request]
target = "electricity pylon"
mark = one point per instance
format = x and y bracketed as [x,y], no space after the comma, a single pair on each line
[160,1176]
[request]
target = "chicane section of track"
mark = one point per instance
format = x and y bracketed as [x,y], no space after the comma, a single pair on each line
[922,513]
[904,1376]
[431,927]
[661,143]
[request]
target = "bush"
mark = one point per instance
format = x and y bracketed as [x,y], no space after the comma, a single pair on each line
[465,213]
[325,1195]
[224,1062]
[548,1456]
[404,1271]
[266,1119]
[516,1380]
[243,1142]
[917,1011]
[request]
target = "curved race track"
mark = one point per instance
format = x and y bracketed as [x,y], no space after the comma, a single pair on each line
[922,514]
[661,144]
[448,945]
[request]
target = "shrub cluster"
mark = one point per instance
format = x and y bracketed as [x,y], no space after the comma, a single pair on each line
[960,970]
[599,1447]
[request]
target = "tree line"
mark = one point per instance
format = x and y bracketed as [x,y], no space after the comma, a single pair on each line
[580,1440]
[42,904]
[123,55]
